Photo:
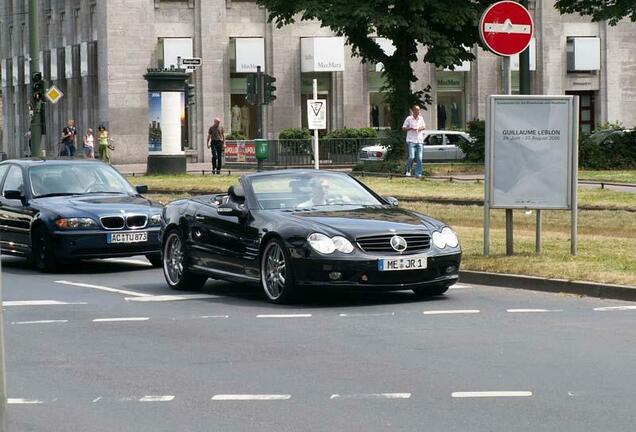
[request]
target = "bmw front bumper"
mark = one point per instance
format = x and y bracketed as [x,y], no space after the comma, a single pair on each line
[78,244]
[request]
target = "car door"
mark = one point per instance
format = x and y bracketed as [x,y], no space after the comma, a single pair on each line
[15,215]
[433,148]
[453,151]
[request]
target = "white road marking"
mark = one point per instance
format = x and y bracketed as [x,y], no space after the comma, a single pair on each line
[96,399]
[168,298]
[214,316]
[533,310]
[284,316]
[250,397]
[19,401]
[372,396]
[151,398]
[39,322]
[121,319]
[489,394]
[460,286]
[451,312]
[38,303]
[615,308]
[353,315]
[104,288]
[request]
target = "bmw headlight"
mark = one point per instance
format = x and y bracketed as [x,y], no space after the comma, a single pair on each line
[446,237]
[342,244]
[75,223]
[154,220]
[321,243]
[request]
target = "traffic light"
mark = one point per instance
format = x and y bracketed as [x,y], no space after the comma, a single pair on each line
[252,89]
[191,94]
[37,88]
[269,89]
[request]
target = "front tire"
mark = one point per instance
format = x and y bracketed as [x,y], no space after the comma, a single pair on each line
[175,264]
[431,291]
[43,253]
[276,276]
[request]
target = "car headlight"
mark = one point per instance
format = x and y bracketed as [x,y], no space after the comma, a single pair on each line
[446,237]
[75,223]
[321,243]
[154,220]
[342,244]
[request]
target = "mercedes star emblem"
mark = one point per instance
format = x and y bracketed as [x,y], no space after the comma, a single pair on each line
[398,243]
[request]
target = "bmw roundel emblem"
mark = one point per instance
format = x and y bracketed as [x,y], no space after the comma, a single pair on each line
[398,243]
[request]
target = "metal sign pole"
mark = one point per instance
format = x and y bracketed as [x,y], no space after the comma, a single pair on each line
[488,167]
[575,176]
[509,215]
[3,386]
[316,150]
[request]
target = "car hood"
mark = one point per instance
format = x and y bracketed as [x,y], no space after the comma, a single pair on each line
[96,205]
[367,221]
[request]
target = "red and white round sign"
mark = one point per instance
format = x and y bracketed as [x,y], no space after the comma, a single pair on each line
[506,28]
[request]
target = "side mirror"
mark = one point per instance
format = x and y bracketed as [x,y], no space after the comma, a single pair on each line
[392,201]
[13,195]
[142,189]
[231,208]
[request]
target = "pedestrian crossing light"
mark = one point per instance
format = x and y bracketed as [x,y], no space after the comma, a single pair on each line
[37,87]
[252,89]
[269,89]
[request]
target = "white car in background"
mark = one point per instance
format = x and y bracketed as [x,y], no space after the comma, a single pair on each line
[438,145]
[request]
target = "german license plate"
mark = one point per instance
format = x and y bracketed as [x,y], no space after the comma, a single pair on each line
[128,237]
[410,262]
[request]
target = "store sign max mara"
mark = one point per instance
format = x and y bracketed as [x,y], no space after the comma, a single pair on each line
[322,54]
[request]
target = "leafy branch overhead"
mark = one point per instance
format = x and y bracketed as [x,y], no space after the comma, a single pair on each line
[444,29]
[600,10]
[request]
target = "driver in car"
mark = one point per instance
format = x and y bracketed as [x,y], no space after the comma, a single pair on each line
[320,194]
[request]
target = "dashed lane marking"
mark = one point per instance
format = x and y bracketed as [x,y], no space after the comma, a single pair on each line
[372,396]
[354,315]
[39,322]
[615,308]
[39,303]
[250,397]
[104,288]
[19,401]
[451,312]
[491,394]
[152,398]
[533,310]
[121,319]
[169,298]
[284,316]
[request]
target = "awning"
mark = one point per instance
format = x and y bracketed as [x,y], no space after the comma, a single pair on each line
[322,54]
[250,53]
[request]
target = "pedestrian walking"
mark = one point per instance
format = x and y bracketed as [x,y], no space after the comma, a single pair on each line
[414,125]
[105,143]
[216,141]
[69,139]
[89,144]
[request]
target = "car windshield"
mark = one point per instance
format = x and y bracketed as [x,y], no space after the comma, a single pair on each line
[310,190]
[72,179]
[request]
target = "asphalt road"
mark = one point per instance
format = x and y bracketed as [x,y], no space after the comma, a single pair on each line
[98,348]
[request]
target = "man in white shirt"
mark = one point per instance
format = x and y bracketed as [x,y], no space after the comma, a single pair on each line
[414,126]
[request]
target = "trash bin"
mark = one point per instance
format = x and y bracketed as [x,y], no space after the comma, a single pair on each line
[262,149]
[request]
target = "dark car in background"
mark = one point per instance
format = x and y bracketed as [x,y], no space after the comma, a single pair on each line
[294,229]
[56,211]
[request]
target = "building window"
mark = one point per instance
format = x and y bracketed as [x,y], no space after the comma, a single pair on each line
[379,109]
[451,100]
[243,115]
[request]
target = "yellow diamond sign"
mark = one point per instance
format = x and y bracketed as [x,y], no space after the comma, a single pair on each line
[54,94]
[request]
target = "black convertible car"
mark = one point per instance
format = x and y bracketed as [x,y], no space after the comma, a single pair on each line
[55,211]
[292,229]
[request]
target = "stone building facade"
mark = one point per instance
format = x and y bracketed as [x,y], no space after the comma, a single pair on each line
[97,51]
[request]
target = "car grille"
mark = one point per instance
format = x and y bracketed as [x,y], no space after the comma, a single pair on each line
[137,221]
[416,242]
[113,222]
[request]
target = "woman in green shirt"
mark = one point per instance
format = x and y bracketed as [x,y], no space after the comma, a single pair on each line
[104,144]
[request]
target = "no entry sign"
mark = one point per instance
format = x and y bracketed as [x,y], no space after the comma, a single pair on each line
[506,28]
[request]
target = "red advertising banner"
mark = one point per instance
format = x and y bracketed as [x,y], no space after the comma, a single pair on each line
[240,151]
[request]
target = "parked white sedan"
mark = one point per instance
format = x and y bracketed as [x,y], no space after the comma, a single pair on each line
[438,145]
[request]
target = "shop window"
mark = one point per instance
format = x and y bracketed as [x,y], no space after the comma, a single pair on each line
[379,110]
[451,97]
[243,115]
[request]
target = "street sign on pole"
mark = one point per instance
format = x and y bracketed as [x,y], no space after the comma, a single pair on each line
[506,28]
[191,64]
[54,94]
[317,114]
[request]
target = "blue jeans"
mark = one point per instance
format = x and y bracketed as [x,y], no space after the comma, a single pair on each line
[415,153]
[69,149]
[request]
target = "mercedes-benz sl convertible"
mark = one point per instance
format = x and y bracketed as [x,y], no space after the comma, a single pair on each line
[295,229]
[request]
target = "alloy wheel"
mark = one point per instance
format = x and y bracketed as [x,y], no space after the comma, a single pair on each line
[274,271]
[173,259]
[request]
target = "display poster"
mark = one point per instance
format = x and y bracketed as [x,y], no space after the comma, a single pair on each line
[240,151]
[531,142]
[154,121]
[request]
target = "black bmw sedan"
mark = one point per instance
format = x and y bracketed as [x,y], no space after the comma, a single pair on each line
[56,211]
[288,230]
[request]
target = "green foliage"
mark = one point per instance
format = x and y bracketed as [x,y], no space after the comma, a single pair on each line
[616,125]
[352,133]
[235,136]
[617,151]
[294,133]
[475,149]
[395,141]
[600,10]
[442,28]
[386,166]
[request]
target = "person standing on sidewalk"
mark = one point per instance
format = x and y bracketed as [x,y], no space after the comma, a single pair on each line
[105,144]
[414,126]
[89,144]
[216,141]
[69,138]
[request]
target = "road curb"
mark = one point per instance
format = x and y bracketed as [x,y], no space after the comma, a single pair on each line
[589,289]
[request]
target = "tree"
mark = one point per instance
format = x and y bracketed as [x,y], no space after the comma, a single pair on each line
[601,10]
[443,28]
